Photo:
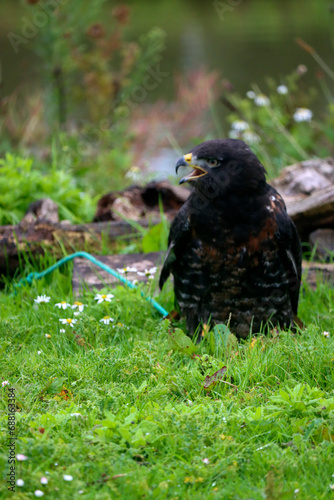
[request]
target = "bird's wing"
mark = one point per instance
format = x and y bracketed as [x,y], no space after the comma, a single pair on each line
[179,231]
[290,248]
[294,253]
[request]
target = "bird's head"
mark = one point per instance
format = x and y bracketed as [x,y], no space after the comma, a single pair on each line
[227,164]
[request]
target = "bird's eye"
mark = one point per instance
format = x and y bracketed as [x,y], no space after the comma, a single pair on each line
[212,163]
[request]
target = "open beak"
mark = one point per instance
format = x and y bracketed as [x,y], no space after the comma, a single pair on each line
[185,161]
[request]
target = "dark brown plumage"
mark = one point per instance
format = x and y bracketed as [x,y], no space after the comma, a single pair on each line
[233,249]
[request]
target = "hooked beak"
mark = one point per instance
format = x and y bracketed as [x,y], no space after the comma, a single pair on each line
[185,161]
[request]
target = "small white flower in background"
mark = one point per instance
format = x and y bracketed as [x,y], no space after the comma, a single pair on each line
[251,137]
[44,480]
[62,330]
[38,493]
[134,174]
[39,352]
[20,482]
[76,415]
[21,458]
[68,321]
[67,477]
[126,270]
[63,304]
[5,382]
[120,325]
[80,492]
[326,334]
[47,336]
[296,491]
[149,273]
[240,125]
[106,320]
[42,299]
[233,134]
[205,461]
[301,69]
[250,94]
[79,305]
[302,115]
[77,313]
[135,282]
[282,89]
[261,100]
[104,297]
[331,486]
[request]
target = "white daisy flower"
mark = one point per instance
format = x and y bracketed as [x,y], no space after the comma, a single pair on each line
[68,321]
[67,477]
[120,325]
[303,115]
[326,334]
[79,305]
[282,89]
[134,174]
[63,304]
[104,297]
[77,313]
[39,493]
[20,482]
[62,330]
[39,352]
[240,125]
[106,320]
[47,336]
[21,458]
[251,137]
[126,270]
[135,282]
[261,100]
[149,273]
[44,480]
[42,299]
[250,94]
[5,382]
[233,134]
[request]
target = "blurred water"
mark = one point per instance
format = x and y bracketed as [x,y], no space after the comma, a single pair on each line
[245,40]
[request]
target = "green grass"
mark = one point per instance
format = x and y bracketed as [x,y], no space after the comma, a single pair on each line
[144,423]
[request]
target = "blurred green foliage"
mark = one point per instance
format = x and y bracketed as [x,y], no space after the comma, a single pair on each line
[21,183]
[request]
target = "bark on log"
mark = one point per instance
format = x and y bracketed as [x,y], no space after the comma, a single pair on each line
[314,212]
[35,238]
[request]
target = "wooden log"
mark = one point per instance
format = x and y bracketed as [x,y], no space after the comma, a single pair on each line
[313,212]
[34,238]
[315,272]
[86,275]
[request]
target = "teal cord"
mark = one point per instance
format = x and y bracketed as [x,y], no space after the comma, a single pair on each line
[29,279]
